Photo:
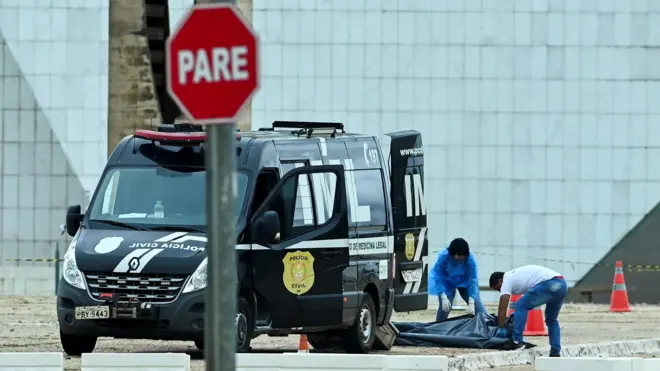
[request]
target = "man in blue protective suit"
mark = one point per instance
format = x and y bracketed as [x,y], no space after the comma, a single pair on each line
[455,269]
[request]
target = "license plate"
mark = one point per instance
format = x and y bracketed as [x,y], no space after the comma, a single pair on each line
[414,275]
[96,312]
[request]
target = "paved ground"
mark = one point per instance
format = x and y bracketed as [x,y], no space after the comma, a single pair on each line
[28,324]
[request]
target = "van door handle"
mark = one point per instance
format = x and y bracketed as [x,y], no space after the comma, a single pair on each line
[330,253]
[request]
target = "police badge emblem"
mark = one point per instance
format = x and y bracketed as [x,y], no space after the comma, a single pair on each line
[410,246]
[298,276]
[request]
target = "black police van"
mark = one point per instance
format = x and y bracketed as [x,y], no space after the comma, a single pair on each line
[330,239]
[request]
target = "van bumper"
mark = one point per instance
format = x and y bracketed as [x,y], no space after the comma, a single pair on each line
[411,302]
[182,319]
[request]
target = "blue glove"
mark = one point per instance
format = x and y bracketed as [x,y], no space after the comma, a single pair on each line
[502,333]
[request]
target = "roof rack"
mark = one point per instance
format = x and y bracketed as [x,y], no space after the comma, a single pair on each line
[180,127]
[307,128]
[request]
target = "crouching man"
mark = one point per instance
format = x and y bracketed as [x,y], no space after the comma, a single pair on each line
[538,285]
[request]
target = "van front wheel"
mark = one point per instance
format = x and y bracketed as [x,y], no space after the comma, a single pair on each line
[199,343]
[359,338]
[244,326]
[75,345]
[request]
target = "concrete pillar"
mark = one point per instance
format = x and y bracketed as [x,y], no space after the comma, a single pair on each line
[132,101]
[132,98]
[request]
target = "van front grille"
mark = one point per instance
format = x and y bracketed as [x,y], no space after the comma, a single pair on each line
[149,288]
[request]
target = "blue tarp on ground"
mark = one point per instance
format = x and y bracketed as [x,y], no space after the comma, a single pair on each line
[458,332]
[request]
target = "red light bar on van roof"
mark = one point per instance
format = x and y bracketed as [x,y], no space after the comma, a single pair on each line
[171,137]
[174,137]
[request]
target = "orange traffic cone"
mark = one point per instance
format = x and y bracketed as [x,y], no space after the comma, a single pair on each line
[303,344]
[535,325]
[619,300]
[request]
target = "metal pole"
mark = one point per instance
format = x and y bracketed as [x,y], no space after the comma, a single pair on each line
[57,266]
[220,328]
[220,295]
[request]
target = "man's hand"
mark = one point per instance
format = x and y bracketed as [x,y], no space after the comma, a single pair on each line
[501,333]
[445,303]
[470,308]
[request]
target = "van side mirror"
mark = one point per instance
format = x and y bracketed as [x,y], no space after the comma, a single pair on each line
[266,228]
[73,219]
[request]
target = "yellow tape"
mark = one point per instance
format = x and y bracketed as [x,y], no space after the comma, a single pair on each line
[642,268]
[39,260]
[627,267]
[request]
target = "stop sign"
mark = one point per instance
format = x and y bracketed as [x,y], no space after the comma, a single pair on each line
[212,63]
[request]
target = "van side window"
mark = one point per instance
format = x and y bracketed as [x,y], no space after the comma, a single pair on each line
[304,212]
[369,189]
[283,200]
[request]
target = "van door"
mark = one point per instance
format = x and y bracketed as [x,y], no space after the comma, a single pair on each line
[409,215]
[300,274]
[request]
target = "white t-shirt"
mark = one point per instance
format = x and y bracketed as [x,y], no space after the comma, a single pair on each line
[522,279]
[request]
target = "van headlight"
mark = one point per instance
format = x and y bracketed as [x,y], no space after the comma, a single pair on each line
[71,273]
[198,279]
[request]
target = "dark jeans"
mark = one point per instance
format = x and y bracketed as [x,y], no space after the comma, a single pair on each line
[478,305]
[551,293]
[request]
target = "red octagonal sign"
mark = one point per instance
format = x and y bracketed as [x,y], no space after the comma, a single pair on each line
[212,63]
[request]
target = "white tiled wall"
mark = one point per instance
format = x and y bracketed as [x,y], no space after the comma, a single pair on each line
[177,8]
[539,117]
[53,94]
[61,49]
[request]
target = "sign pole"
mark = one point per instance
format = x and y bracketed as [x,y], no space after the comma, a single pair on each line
[220,306]
[220,328]
[212,70]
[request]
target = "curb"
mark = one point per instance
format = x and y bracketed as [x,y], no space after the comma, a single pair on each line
[481,361]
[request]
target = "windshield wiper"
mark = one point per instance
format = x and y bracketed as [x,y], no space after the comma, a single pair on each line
[177,228]
[119,224]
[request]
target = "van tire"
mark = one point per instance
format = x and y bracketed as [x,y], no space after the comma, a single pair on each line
[244,320]
[359,338]
[199,343]
[244,326]
[75,345]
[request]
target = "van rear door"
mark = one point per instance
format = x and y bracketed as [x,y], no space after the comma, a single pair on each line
[409,215]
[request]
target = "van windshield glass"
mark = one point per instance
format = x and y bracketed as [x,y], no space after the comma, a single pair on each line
[157,196]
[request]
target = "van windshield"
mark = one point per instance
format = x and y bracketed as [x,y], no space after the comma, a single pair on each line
[157,196]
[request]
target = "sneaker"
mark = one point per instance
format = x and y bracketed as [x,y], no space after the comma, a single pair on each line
[555,355]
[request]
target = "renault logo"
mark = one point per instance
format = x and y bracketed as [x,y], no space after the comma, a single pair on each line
[134,263]
[136,260]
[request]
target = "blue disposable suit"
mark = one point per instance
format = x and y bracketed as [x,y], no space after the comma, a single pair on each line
[449,274]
